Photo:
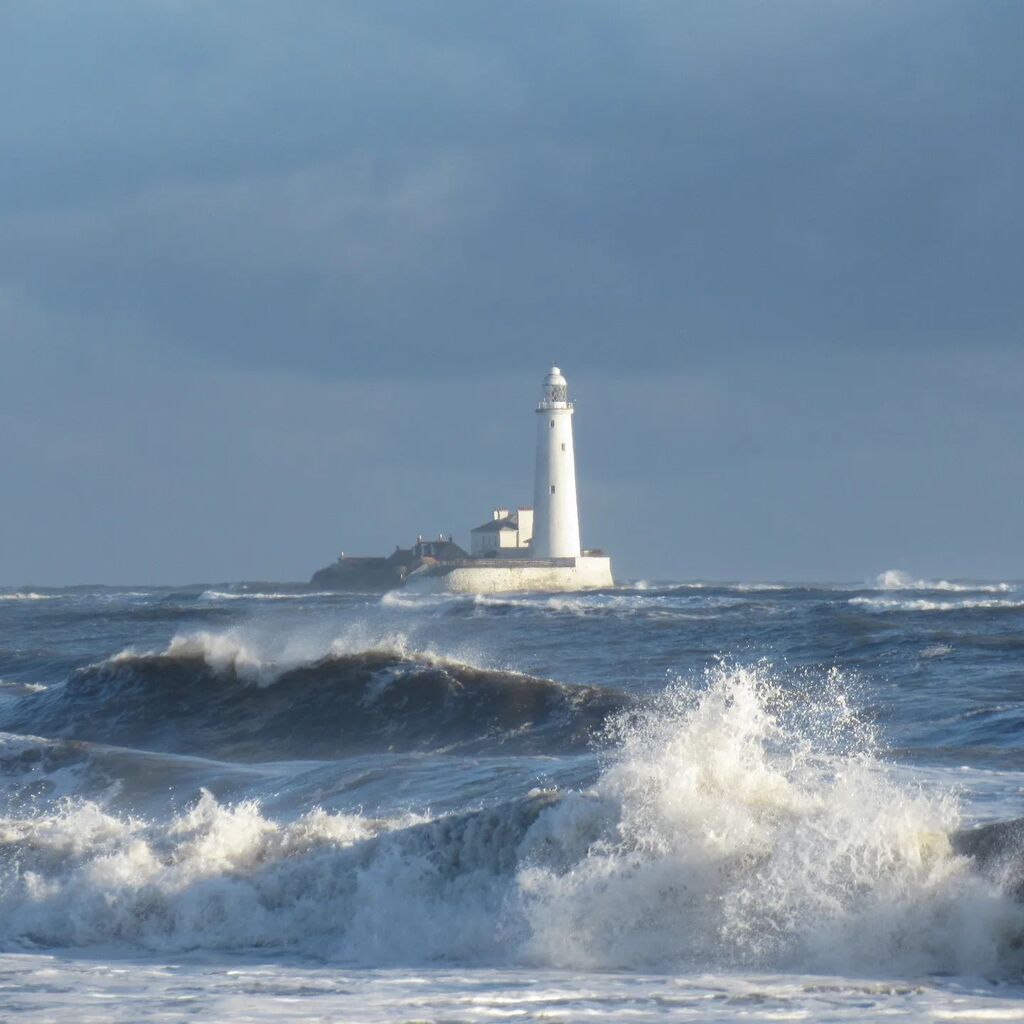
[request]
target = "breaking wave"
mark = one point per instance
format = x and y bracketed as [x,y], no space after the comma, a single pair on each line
[211,695]
[18,688]
[239,595]
[735,823]
[926,605]
[677,603]
[894,579]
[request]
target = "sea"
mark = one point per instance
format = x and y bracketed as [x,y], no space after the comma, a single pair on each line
[664,801]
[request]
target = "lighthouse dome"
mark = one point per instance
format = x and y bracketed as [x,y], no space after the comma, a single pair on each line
[556,391]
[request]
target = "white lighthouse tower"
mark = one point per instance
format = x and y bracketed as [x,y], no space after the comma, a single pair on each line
[556,520]
[555,561]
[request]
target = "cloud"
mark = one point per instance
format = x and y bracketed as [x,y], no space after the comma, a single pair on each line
[376,183]
[775,247]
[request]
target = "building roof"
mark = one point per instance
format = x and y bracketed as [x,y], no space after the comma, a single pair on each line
[443,550]
[497,525]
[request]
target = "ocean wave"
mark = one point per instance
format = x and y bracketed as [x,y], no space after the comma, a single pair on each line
[212,696]
[675,601]
[926,605]
[28,596]
[11,687]
[38,772]
[733,824]
[233,595]
[894,579]
[418,602]
[678,603]
[262,658]
[575,603]
[754,587]
[997,849]
[571,604]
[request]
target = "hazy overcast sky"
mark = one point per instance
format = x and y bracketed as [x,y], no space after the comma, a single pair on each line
[278,280]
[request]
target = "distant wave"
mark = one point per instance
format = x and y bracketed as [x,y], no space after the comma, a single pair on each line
[738,586]
[649,600]
[28,596]
[576,603]
[925,605]
[579,605]
[572,604]
[894,579]
[417,602]
[232,595]
[738,826]
[678,602]
[197,699]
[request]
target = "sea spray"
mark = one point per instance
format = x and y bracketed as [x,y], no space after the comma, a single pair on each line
[894,579]
[229,878]
[467,848]
[754,827]
[739,822]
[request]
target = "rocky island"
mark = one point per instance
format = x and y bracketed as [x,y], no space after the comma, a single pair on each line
[379,573]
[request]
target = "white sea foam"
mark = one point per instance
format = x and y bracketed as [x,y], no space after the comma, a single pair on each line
[18,687]
[735,825]
[28,596]
[926,605]
[894,579]
[570,604]
[239,595]
[236,650]
[750,836]
[261,658]
[582,605]
[92,989]
[407,599]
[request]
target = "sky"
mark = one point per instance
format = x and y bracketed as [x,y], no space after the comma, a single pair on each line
[282,280]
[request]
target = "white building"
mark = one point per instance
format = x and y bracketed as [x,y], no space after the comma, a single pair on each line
[505,533]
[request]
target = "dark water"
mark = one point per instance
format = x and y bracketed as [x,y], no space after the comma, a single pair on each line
[689,778]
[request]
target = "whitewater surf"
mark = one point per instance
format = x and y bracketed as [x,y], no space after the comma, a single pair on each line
[724,800]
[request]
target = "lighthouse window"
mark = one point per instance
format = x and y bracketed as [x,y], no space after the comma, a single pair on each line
[563,446]
[552,424]
[552,488]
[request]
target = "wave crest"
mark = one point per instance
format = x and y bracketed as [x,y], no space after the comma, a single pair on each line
[754,826]
[734,825]
[895,579]
[922,604]
[213,696]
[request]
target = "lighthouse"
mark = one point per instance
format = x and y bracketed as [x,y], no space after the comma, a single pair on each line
[556,520]
[527,549]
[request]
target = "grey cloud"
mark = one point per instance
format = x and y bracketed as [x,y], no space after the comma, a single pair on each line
[365,182]
[776,247]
